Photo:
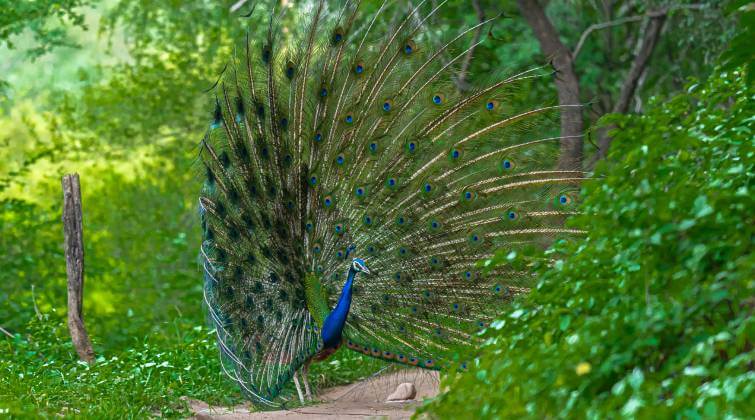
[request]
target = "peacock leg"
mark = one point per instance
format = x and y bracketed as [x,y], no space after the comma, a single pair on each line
[298,387]
[305,376]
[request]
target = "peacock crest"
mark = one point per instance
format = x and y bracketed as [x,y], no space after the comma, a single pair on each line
[335,151]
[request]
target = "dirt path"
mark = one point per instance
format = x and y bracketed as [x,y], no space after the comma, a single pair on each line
[365,399]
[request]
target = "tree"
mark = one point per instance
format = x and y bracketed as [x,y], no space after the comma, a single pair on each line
[567,83]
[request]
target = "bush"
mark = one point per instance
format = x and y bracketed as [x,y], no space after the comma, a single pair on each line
[650,315]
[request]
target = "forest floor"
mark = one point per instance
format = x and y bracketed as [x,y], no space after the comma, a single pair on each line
[364,399]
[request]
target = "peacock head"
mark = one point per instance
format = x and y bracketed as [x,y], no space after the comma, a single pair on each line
[358,265]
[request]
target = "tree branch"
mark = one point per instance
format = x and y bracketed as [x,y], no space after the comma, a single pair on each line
[654,14]
[461,78]
[596,26]
[4,331]
[649,41]
[567,83]
[641,60]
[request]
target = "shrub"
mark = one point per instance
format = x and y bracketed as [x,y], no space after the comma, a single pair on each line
[650,315]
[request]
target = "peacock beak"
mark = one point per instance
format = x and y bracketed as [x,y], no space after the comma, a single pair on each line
[366,270]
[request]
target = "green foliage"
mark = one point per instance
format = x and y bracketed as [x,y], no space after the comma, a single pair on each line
[141,270]
[46,19]
[651,315]
[127,115]
[43,377]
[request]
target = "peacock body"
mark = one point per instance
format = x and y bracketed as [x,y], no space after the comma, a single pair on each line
[351,189]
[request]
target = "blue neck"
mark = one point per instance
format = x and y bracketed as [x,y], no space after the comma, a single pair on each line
[336,319]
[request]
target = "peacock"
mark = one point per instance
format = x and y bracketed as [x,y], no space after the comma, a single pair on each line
[350,189]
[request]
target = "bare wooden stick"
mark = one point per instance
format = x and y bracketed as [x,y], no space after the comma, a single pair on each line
[74,250]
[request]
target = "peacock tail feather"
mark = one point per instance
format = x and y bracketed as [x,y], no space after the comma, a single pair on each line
[337,141]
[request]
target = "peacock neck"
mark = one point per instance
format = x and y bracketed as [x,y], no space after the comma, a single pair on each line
[335,321]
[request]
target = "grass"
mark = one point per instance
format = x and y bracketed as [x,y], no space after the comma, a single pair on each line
[44,378]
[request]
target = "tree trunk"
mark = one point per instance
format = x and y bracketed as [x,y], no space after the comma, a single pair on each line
[641,60]
[74,251]
[567,83]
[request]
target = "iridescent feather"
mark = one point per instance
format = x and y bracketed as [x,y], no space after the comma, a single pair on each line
[338,141]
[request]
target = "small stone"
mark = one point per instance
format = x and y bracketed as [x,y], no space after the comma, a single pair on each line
[405,391]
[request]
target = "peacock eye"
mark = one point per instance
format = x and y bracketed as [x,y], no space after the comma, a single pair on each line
[266,53]
[564,199]
[337,35]
[409,47]
[290,70]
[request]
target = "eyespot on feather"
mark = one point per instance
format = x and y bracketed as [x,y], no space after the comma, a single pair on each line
[492,105]
[338,36]
[267,52]
[411,146]
[290,70]
[328,201]
[564,199]
[359,68]
[455,154]
[360,191]
[511,215]
[409,47]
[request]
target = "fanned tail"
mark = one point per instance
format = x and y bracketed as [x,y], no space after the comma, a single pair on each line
[338,141]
